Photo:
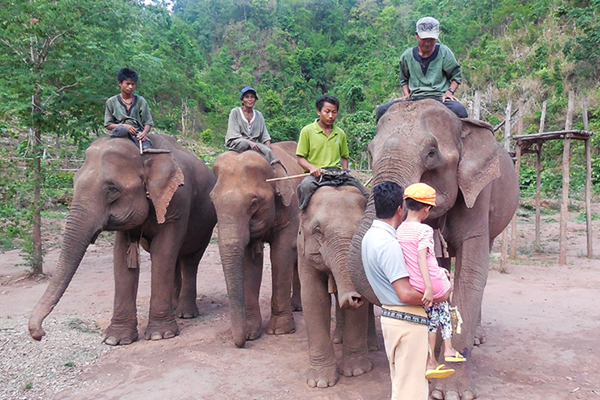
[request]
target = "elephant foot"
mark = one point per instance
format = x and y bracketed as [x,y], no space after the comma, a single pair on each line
[338,334]
[322,377]
[353,366]
[159,331]
[116,335]
[296,303]
[480,337]
[456,387]
[281,325]
[372,342]
[187,310]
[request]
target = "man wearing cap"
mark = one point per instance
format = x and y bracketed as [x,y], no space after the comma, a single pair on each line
[403,320]
[246,129]
[429,70]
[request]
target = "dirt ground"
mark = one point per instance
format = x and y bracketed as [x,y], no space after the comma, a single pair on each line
[541,321]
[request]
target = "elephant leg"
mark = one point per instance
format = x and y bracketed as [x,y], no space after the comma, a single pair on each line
[253,269]
[316,304]
[186,303]
[355,350]
[164,249]
[283,258]
[480,336]
[123,325]
[338,333]
[372,340]
[472,263]
[296,298]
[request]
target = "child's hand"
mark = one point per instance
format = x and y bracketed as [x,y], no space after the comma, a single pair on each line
[427,298]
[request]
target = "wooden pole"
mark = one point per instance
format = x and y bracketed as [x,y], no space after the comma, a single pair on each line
[564,205]
[588,181]
[538,180]
[285,178]
[513,225]
[538,187]
[507,126]
[477,105]
[504,254]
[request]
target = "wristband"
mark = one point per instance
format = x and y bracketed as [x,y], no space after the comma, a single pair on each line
[451,90]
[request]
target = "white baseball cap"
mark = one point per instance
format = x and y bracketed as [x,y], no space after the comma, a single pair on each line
[428,28]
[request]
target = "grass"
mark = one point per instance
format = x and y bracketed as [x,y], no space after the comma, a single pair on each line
[582,216]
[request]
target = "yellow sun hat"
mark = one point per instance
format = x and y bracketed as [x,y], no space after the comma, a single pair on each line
[421,192]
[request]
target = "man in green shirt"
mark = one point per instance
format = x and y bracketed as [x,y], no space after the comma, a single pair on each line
[127,114]
[429,71]
[323,152]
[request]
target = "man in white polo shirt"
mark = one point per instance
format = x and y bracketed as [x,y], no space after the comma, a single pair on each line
[403,319]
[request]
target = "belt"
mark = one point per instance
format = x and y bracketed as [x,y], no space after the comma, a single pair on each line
[402,316]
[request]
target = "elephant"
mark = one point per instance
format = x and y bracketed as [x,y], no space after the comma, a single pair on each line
[477,196]
[327,225]
[250,212]
[158,200]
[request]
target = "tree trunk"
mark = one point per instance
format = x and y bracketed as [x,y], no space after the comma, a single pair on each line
[36,235]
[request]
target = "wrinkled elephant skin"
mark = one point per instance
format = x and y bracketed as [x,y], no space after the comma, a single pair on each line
[157,200]
[477,195]
[250,212]
[326,229]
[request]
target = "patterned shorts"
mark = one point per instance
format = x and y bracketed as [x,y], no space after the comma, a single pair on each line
[439,315]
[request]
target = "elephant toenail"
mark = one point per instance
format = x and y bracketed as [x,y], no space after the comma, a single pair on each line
[156,336]
[169,335]
[111,341]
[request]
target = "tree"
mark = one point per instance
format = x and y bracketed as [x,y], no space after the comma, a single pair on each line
[55,59]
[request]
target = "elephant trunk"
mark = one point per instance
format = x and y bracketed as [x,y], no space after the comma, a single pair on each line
[79,233]
[385,169]
[335,256]
[232,246]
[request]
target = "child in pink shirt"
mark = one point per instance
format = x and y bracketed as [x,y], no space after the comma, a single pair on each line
[425,275]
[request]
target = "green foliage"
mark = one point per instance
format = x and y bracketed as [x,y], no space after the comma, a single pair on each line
[206,136]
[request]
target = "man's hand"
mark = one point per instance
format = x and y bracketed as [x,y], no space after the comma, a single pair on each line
[253,145]
[142,136]
[316,171]
[449,96]
[130,129]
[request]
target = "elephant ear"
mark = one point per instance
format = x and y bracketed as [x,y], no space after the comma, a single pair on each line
[479,162]
[163,177]
[283,188]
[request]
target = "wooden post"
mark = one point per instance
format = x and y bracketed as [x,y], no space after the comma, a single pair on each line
[538,186]
[477,105]
[507,126]
[538,179]
[588,181]
[513,227]
[503,255]
[564,205]
[513,224]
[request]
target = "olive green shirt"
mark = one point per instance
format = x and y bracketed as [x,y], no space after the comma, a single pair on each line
[319,149]
[442,70]
[138,115]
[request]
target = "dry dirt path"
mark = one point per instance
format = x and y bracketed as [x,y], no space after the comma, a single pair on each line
[541,320]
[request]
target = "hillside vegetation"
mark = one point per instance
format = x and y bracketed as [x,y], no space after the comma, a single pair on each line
[58,62]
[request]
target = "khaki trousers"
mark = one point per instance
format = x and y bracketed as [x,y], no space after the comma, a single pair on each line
[406,347]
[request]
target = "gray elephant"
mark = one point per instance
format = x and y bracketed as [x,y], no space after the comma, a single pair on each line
[326,229]
[477,195]
[158,200]
[250,212]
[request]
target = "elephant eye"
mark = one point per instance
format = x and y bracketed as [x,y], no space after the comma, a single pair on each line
[431,153]
[112,193]
[253,206]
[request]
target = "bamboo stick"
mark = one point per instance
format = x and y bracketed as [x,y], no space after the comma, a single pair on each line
[283,178]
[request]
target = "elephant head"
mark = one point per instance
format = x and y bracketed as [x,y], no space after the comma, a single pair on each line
[116,189]
[423,141]
[326,229]
[248,209]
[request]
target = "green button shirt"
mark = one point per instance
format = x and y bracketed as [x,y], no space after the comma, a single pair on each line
[319,149]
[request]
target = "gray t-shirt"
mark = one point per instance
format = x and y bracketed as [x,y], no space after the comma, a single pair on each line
[239,127]
[383,262]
